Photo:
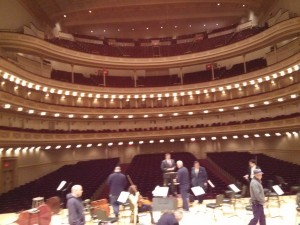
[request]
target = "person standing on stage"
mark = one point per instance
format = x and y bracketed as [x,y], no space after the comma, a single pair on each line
[170,218]
[252,166]
[117,183]
[257,199]
[199,178]
[168,165]
[75,206]
[183,178]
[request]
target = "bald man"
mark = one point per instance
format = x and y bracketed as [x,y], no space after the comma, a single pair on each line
[183,178]
[75,206]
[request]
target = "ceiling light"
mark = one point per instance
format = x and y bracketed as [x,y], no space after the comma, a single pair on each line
[56,115]
[282,73]
[219,4]
[190,113]
[116,116]
[161,141]
[147,28]
[204,25]
[141,142]
[224,137]
[130,116]
[89,145]
[267,78]
[251,105]
[221,110]
[160,115]
[7,106]
[52,90]
[266,102]
[293,96]
[246,136]
[68,146]
[130,142]
[190,25]
[274,75]
[20,109]
[236,107]
[58,147]
[30,111]
[193,139]
[296,67]
[260,80]
[161,27]
[132,29]
[244,84]
[92,31]
[175,114]
[145,116]
[90,11]
[268,135]
[203,139]
[205,111]
[235,137]
[110,144]
[100,117]
[278,134]
[244,5]
[256,135]
[99,144]
[182,139]
[151,141]
[120,143]
[65,16]
[217,24]
[172,140]
[280,99]
[70,115]
[104,31]
[118,29]
[213,138]
[43,113]
[85,116]
[197,92]
[48,147]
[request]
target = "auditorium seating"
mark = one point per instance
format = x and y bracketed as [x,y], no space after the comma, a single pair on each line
[90,174]
[138,51]
[146,173]
[236,164]
[164,80]
[75,131]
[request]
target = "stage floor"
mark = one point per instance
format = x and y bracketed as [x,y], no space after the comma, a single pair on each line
[285,214]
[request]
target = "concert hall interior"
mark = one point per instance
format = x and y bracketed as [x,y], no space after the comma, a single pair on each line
[87,86]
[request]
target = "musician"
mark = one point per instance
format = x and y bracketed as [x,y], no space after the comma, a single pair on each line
[75,206]
[139,204]
[167,166]
[170,218]
[117,183]
[183,178]
[199,178]
[251,168]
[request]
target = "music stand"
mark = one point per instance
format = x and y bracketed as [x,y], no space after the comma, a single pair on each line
[279,192]
[123,197]
[234,188]
[160,191]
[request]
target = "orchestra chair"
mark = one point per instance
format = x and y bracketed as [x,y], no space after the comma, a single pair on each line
[270,194]
[238,197]
[101,204]
[54,204]
[217,205]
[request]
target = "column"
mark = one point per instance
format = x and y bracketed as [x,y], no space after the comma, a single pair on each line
[72,73]
[244,61]
[212,71]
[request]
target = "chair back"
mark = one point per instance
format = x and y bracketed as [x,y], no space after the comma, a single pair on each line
[244,190]
[219,199]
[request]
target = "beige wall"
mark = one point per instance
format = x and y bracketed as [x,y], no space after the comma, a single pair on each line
[33,164]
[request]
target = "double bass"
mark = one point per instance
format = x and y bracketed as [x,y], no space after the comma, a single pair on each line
[142,200]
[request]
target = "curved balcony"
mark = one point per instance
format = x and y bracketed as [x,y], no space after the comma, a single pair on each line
[28,44]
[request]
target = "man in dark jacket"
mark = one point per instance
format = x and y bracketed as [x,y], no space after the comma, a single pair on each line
[75,206]
[250,173]
[183,178]
[117,183]
[170,218]
[167,166]
[199,178]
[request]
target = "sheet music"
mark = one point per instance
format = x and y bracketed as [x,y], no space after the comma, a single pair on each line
[198,191]
[234,188]
[160,191]
[278,190]
[211,184]
[61,185]
[123,197]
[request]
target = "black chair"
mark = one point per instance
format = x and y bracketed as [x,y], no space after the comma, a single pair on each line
[217,204]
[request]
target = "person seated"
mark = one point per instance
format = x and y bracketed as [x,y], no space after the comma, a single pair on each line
[139,203]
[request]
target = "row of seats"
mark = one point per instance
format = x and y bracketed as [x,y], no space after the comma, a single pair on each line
[138,51]
[294,115]
[90,174]
[272,168]
[161,81]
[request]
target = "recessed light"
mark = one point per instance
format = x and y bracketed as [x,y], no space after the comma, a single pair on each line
[147,28]
[203,139]
[145,116]
[182,139]
[65,16]
[118,29]
[141,142]
[132,29]
[193,139]
[92,31]
[293,96]
[31,111]
[7,106]
[116,116]
[236,107]
[256,135]
[161,27]
[71,116]
[90,11]
[190,113]
[175,114]
[160,115]
[246,136]
[278,134]
[218,4]
[172,140]
[56,115]
[190,25]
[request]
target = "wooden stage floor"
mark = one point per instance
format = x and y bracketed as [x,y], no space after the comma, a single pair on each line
[285,214]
